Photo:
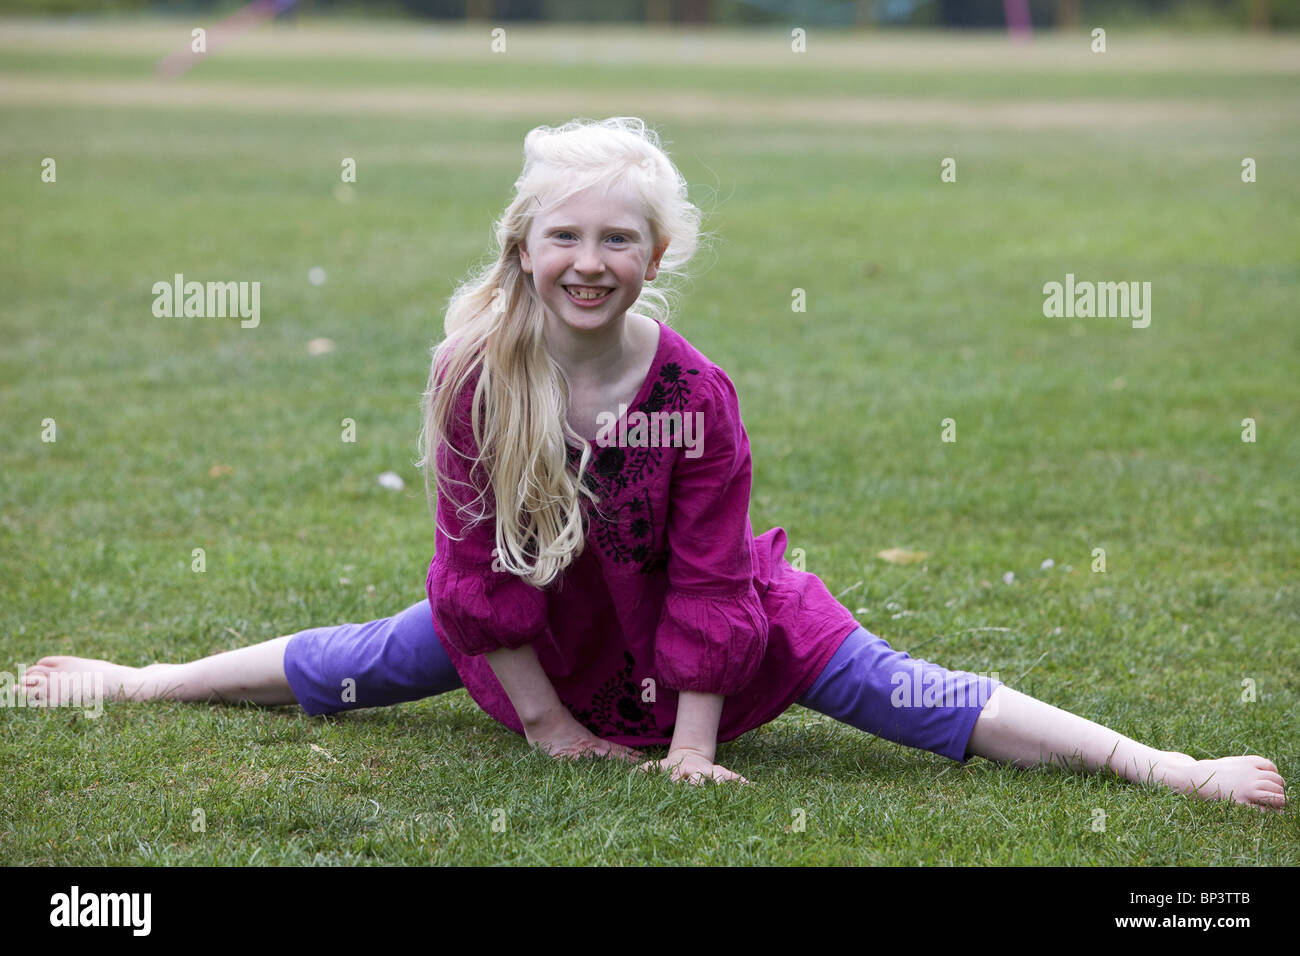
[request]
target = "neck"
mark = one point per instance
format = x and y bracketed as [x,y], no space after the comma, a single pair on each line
[594,358]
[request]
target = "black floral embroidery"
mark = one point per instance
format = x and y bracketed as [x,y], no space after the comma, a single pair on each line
[616,707]
[625,532]
[676,392]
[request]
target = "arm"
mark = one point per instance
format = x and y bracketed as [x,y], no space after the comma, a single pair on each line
[548,725]
[697,723]
[713,633]
[695,741]
[483,611]
[527,686]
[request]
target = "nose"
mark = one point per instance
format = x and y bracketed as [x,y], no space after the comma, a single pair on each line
[588,260]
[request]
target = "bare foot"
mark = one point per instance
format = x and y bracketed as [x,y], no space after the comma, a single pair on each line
[1251,780]
[60,681]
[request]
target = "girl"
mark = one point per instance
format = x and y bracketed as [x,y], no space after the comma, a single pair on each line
[600,587]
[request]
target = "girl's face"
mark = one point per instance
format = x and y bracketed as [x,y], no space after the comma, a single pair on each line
[593,242]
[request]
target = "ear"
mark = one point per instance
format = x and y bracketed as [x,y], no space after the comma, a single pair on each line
[525,260]
[652,269]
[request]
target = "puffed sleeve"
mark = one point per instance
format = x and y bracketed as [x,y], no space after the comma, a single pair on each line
[713,631]
[475,608]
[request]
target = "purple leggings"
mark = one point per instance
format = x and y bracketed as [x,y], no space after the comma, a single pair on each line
[867,684]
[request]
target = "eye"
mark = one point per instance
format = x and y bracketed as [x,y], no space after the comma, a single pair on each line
[565,234]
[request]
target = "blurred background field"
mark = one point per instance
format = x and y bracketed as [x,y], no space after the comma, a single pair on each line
[817,170]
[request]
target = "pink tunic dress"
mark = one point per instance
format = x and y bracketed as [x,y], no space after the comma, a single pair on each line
[672,592]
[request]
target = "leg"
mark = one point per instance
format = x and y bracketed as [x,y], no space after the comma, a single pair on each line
[871,686]
[254,673]
[1020,730]
[382,662]
[386,661]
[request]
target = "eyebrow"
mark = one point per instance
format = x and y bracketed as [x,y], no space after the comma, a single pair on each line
[627,229]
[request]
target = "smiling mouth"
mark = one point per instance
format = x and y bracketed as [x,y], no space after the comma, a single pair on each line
[587,293]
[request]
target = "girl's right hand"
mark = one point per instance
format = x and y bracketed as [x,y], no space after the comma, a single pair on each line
[565,737]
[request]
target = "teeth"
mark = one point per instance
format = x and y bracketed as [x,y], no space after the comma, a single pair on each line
[579,292]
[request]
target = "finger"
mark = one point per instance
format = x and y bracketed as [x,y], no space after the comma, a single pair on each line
[627,753]
[609,748]
[574,751]
[723,775]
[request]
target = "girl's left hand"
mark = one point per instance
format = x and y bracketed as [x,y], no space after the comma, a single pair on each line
[692,766]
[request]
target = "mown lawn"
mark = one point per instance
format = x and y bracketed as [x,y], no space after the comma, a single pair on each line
[924,303]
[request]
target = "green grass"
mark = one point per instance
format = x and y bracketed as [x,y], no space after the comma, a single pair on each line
[924,303]
[759,78]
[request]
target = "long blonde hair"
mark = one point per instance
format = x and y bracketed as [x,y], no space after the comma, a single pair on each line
[494,326]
